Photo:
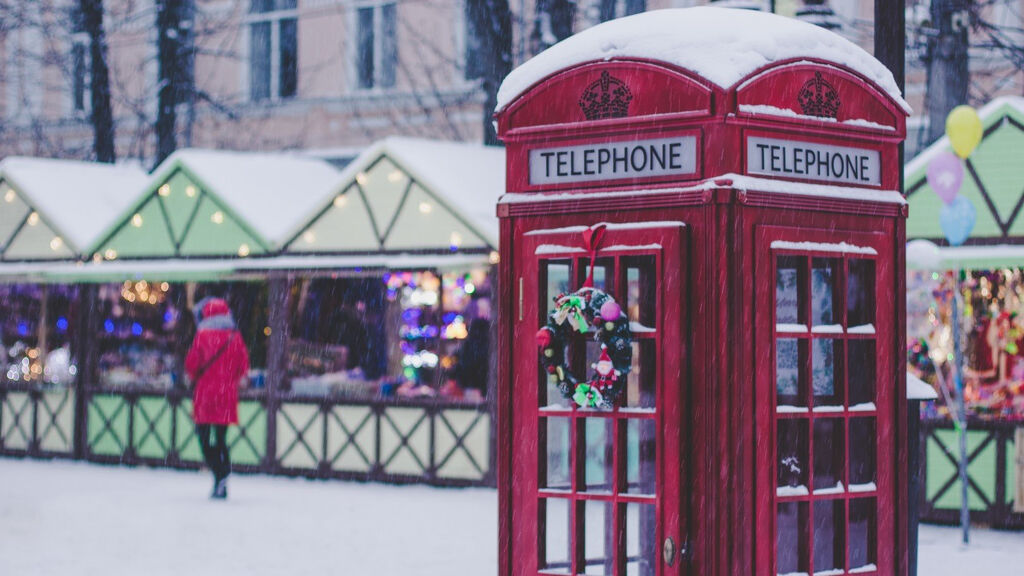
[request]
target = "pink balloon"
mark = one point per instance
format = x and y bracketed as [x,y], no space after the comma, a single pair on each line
[945,175]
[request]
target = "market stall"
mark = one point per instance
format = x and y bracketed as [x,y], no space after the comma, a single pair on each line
[415,335]
[990,267]
[50,212]
[364,297]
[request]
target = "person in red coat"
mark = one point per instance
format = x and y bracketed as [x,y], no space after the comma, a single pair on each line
[216,363]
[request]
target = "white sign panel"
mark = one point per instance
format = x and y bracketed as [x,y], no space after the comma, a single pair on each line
[614,160]
[813,161]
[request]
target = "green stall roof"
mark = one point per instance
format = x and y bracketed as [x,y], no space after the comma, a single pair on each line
[408,195]
[216,204]
[55,209]
[993,180]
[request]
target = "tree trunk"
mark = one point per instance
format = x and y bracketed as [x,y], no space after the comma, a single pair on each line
[492,22]
[174,51]
[947,64]
[102,114]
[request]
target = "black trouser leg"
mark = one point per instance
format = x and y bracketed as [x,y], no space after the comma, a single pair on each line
[221,433]
[213,442]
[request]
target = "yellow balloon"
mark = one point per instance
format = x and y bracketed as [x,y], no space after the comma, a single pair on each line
[963,126]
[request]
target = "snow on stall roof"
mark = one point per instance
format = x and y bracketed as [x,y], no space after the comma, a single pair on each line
[467,178]
[968,257]
[720,44]
[270,191]
[918,389]
[80,199]
[184,267]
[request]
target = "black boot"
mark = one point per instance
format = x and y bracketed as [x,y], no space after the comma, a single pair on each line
[220,489]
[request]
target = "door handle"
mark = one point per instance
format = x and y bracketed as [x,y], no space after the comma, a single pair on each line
[668,551]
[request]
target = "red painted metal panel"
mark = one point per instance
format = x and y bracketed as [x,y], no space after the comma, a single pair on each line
[797,86]
[717,435]
[653,89]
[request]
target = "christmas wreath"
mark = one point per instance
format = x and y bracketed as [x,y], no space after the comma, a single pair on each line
[588,310]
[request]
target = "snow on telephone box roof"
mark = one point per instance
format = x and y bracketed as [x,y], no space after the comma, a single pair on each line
[55,209]
[721,45]
[685,96]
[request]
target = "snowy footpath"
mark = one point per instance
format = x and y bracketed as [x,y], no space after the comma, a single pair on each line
[78,519]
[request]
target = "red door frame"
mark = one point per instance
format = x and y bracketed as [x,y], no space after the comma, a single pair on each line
[886,397]
[665,241]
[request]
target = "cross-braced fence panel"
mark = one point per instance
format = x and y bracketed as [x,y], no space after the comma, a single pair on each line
[108,425]
[248,440]
[185,442]
[151,431]
[943,486]
[352,438]
[300,436]
[405,441]
[55,421]
[462,444]
[994,464]
[16,421]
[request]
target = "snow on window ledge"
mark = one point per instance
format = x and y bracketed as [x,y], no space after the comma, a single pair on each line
[638,328]
[544,249]
[863,329]
[785,409]
[863,569]
[791,491]
[863,407]
[869,487]
[820,409]
[828,329]
[840,247]
[837,489]
[791,328]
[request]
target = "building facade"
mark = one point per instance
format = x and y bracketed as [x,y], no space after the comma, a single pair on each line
[336,75]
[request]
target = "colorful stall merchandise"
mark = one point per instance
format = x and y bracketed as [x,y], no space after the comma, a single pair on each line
[993,338]
[990,269]
[145,329]
[989,263]
[403,334]
[35,343]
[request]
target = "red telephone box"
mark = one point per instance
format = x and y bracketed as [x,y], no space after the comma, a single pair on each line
[736,198]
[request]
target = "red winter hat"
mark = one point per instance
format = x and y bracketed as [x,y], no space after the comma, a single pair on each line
[215,307]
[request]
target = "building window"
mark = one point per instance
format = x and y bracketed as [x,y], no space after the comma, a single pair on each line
[79,63]
[273,49]
[472,57]
[376,46]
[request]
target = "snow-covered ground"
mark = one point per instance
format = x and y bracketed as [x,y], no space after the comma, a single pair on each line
[77,519]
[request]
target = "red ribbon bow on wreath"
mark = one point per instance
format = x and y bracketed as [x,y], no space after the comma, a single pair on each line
[592,238]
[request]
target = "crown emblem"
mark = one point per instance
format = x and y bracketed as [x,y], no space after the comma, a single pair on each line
[818,98]
[606,98]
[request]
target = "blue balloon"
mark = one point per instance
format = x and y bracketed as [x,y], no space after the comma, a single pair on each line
[957,220]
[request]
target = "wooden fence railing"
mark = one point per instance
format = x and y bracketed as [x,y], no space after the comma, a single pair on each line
[995,463]
[429,441]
